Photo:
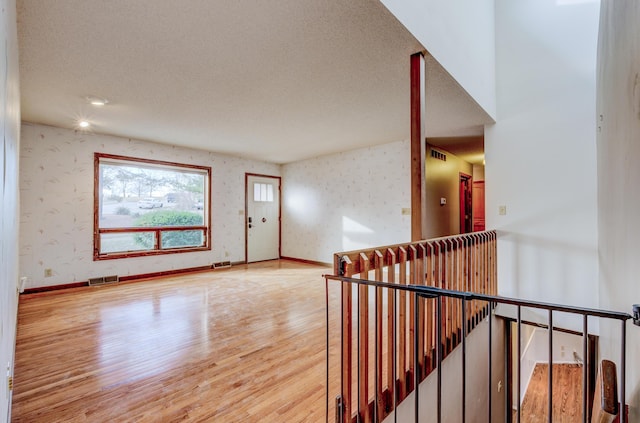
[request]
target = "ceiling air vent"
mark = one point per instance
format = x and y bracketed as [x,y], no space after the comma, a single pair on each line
[438,155]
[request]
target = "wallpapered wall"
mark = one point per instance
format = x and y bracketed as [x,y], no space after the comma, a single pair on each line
[9,153]
[346,201]
[57,205]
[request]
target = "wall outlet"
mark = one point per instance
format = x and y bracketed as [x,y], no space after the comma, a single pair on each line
[502,210]
[48,273]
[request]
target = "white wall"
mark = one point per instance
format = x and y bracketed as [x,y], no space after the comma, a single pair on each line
[460,35]
[9,210]
[618,180]
[346,201]
[541,154]
[477,383]
[57,205]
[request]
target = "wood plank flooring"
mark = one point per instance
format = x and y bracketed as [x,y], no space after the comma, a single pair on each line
[240,345]
[567,394]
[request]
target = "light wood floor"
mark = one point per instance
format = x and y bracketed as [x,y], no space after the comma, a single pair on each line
[239,345]
[567,394]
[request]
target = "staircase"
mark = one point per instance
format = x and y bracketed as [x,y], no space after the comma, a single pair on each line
[419,341]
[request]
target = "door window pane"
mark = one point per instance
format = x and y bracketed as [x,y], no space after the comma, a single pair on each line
[262,192]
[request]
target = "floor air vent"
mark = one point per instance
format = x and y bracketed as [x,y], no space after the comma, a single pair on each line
[103,280]
[221,264]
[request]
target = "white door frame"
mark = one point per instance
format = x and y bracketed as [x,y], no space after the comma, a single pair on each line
[246,212]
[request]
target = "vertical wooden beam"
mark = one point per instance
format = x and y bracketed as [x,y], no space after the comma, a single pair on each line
[418,136]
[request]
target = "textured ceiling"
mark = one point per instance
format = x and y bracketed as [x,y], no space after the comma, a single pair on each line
[276,80]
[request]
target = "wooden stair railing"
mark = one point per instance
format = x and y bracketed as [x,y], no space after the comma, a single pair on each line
[405,307]
[371,384]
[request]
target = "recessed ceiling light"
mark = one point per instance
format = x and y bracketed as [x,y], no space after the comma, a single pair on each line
[97,101]
[83,124]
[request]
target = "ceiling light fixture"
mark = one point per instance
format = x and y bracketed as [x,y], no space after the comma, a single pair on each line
[83,124]
[97,101]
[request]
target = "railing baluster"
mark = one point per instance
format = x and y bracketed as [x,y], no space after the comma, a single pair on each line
[358,413]
[519,363]
[623,372]
[450,310]
[428,340]
[363,354]
[491,364]
[391,333]
[412,321]
[391,327]
[464,363]
[421,319]
[402,325]
[585,379]
[378,264]
[550,393]
[439,358]
[453,304]
[416,374]
[459,283]
[466,275]
[347,337]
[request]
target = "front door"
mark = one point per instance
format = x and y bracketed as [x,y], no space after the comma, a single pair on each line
[262,217]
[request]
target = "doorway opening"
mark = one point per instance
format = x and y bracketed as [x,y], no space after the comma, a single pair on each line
[466,224]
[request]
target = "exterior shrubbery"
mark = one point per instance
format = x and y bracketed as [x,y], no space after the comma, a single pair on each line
[170,239]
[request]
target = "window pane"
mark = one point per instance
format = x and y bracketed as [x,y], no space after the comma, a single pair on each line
[176,239]
[134,196]
[263,192]
[126,241]
[269,193]
[256,192]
